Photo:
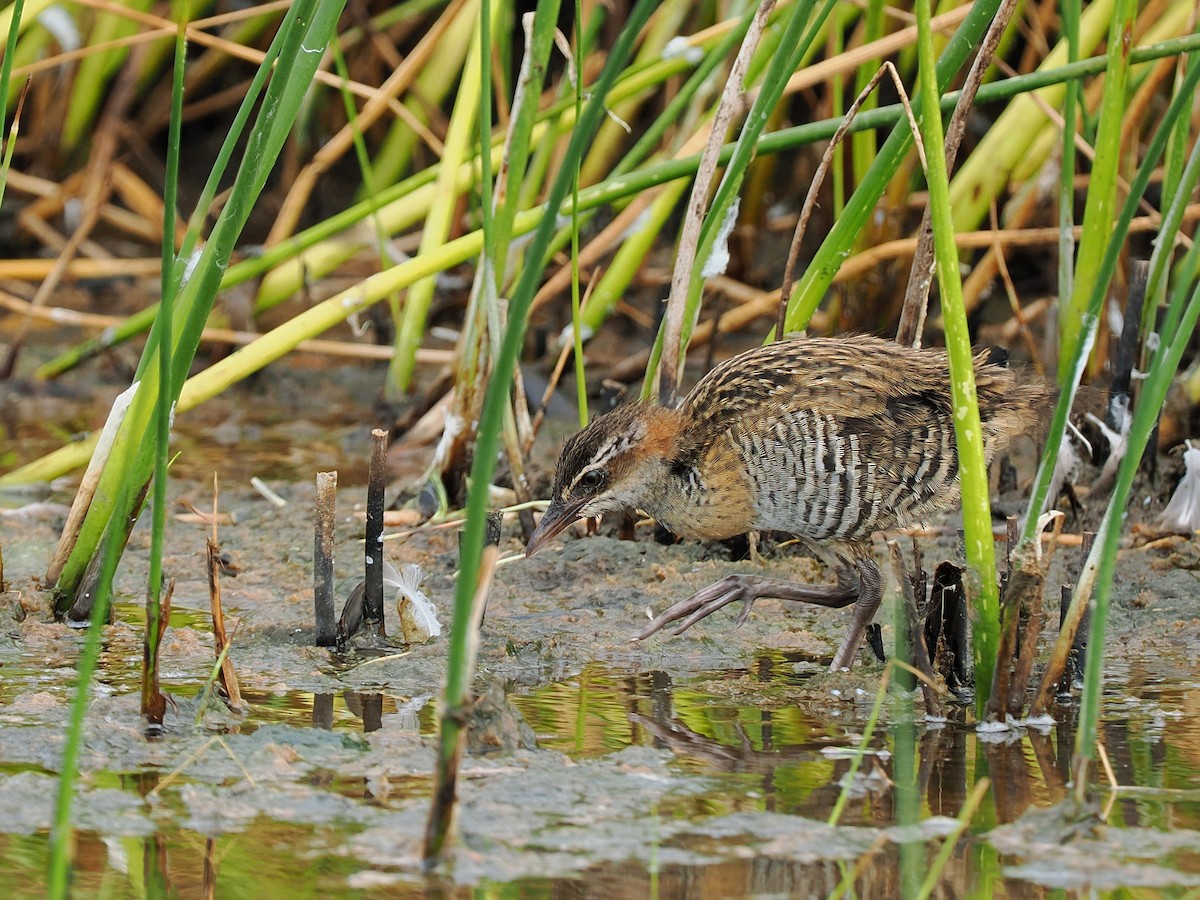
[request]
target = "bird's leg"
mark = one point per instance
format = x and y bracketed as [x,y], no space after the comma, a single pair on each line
[859,582]
[870,594]
[747,589]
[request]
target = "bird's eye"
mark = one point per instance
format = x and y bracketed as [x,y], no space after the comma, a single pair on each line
[592,480]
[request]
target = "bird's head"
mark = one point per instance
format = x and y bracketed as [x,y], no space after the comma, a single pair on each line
[616,463]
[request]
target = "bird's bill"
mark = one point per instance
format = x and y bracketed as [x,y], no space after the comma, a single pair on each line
[556,518]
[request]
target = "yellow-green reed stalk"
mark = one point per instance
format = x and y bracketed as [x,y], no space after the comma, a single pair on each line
[862,145]
[986,172]
[458,662]
[309,23]
[1179,106]
[811,288]
[1102,186]
[1066,181]
[428,91]
[162,420]
[457,151]
[318,319]
[96,70]
[10,49]
[968,433]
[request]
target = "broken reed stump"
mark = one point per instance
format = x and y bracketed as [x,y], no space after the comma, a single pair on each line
[910,585]
[1073,673]
[491,538]
[1021,604]
[373,553]
[154,702]
[116,534]
[452,733]
[228,677]
[325,632]
[948,629]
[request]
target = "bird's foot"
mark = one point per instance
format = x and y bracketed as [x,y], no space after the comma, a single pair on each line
[729,589]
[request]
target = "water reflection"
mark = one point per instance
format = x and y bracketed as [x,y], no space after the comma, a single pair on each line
[367,707]
[767,739]
[784,753]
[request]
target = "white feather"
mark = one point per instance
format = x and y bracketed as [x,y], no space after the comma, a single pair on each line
[1183,512]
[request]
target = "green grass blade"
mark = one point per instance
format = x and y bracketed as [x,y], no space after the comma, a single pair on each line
[1102,186]
[309,23]
[972,466]
[62,840]
[500,385]
[1145,418]
[162,423]
[1066,181]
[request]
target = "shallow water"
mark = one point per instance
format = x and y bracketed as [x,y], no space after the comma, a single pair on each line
[745,791]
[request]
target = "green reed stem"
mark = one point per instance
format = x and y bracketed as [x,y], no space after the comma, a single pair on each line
[1066,181]
[496,401]
[1145,420]
[972,466]
[581,397]
[1102,185]
[1154,392]
[162,422]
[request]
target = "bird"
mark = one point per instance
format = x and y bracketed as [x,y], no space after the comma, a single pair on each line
[829,439]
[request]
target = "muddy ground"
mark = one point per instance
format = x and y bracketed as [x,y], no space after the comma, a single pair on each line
[706,762]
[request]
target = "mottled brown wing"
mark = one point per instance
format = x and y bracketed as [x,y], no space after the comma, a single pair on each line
[841,437]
